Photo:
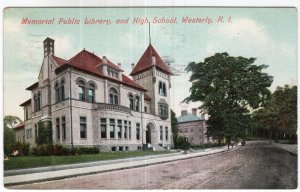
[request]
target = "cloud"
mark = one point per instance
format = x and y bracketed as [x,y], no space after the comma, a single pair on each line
[11,26]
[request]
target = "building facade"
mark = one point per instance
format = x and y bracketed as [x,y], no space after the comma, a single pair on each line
[192,127]
[88,101]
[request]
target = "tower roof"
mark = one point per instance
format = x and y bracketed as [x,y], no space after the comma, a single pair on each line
[145,62]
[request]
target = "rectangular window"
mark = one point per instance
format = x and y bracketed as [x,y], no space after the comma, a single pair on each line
[103,127]
[125,129]
[36,133]
[57,129]
[119,129]
[63,127]
[112,128]
[81,93]
[161,133]
[145,109]
[26,113]
[83,131]
[138,131]
[129,129]
[28,134]
[167,133]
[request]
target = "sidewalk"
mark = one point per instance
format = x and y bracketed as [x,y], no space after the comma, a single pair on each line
[292,148]
[63,171]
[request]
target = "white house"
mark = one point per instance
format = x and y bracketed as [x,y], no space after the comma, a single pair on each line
[88,101]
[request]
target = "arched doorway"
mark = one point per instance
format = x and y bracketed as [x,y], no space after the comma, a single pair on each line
[150,133]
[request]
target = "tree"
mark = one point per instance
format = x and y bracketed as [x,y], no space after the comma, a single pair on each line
[278,117]
[9,135]
[229,88]
[11,121]
[174,127]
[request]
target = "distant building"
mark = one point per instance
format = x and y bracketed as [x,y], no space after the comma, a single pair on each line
[192,127]
[20,132]
[89,101]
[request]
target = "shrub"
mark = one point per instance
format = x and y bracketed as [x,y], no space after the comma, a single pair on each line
[47,150]
[23,148]
[182,143]
[9,140]
[206,145]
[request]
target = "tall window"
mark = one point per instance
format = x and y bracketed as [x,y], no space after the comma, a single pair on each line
[137,103]
[26,114]
[131,101]
[36,133]
[83,132]
[163,109]
[57,93]
[161,133]
[112,128]
[63,127]
[125,129]
[81,90]
[91,93]
[62,87]
[167,133]
[162,89]
[57,129]
[103,127]
[113,96]
[39,101]
[28,134]
[138,131]
[119,129]
[129,129]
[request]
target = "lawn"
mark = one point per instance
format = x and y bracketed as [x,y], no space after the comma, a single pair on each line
[41,161]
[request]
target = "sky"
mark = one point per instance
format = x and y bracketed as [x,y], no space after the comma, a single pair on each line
[268,34]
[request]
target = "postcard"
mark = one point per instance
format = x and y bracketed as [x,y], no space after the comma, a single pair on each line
[150,98]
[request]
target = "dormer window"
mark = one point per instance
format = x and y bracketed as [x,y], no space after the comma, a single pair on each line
[112,73]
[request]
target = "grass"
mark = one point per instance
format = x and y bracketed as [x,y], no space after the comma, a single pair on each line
[23,162]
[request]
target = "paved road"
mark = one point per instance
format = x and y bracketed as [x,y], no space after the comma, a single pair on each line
[255,166]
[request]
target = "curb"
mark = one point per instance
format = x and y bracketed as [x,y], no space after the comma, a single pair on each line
[67,173]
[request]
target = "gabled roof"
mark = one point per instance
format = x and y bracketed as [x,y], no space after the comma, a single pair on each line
[19,126]
[88,62]
[145,62]
[58,60]
[146,97]
[33,86]
[188,118]
[26,103]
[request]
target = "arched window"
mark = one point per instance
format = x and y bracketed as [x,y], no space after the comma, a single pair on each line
[62,88]
[81,91]
[57,93]
[113,96]
[162,89]
[130,101]
[163,109]
[137,103]
[91,93]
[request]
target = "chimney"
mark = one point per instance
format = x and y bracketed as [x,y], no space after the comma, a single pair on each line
[104,65]
[203,116]
[194,111]
[183,112]
[48,47]
[104,60]
[121,71]
[132,66]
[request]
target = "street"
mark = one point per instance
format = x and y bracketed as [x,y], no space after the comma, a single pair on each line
[258,165]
